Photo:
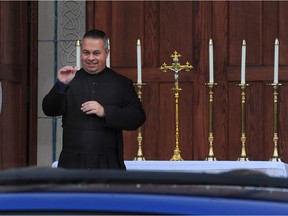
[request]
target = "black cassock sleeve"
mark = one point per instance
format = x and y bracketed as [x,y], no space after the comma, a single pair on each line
[130,115]
[54,103]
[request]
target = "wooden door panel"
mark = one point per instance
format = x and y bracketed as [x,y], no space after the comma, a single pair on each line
[283,122]
[175,30]
[234,144]
[166,140]
[267,106]
[256,117]
[283,32]
[129,16]
[221,91]
[151,104]
[151,31]
[186,27]
[270,30]
[11,133]
[186,119]
[13,77]
[248,28]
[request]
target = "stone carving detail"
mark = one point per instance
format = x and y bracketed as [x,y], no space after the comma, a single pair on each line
[71,27]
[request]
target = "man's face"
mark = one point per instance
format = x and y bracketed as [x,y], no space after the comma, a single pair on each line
[93,55]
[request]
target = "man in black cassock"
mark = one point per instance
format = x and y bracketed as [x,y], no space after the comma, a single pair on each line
[96,104]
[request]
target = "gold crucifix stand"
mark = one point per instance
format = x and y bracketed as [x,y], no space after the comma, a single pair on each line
[176,67]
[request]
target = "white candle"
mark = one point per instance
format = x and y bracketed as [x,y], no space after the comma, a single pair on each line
[139,69]
[108,58]
[211,73]
[276,61]
[78,54]
[243,62]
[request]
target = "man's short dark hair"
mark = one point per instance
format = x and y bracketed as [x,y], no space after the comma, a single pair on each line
[97,34]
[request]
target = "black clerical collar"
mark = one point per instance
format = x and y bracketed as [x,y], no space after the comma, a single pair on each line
[96,74]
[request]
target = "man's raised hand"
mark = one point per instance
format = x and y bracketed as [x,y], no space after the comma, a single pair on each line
[66,74]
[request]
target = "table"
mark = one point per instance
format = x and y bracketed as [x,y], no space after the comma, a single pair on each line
[275,169]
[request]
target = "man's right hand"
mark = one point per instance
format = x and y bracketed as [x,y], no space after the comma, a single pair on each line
[66,74]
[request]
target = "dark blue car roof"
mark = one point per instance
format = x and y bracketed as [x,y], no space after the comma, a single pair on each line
[59,191]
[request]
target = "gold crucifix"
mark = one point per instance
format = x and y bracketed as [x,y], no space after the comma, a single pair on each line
[176,67]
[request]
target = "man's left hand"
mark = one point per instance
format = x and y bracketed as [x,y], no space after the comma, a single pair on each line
[93,107]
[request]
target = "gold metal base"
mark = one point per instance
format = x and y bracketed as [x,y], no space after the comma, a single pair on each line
[243,156]
[210,156]
[275,157]
[176,156]
[139,156]
[242,159]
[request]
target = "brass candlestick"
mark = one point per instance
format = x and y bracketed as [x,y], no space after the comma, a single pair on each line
[211,156]
[139,156]
[176,67]
[275,156]
[243,156]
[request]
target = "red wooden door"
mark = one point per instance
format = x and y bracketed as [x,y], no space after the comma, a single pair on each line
[13,77]
[187,26]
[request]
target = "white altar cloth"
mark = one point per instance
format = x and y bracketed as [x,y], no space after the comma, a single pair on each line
[275,169]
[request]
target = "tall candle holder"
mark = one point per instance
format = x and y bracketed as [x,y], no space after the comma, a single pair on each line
[211,156]
[176,67]
[275,156]
[243,156]
[139,156]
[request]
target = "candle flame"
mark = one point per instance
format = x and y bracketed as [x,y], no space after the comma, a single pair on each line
[276,41]
[77,42]
[210,42]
